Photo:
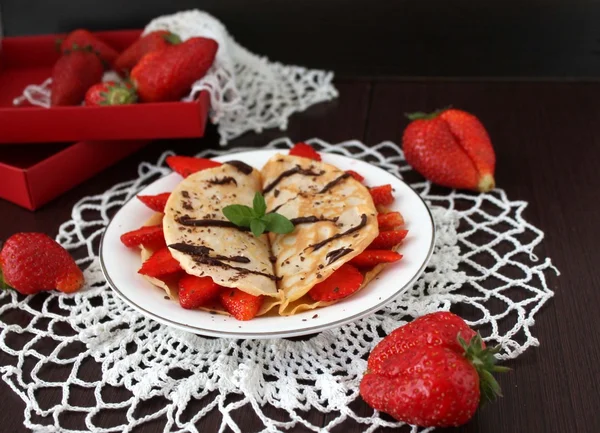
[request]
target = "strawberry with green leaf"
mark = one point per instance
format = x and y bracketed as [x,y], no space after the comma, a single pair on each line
[256,217]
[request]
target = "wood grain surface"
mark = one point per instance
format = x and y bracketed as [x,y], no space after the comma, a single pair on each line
[547,139]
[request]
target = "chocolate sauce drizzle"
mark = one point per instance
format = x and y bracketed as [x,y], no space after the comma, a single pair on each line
[186,220]
[334,182]
[319,245]
[241,166]
[223,181]
[201,256]
[334,255]
[291,172]
[311,219]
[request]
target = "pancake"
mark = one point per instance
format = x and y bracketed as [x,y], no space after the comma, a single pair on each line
[341,222]
[205,243]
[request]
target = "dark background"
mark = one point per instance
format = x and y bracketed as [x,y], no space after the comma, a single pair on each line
[416,38]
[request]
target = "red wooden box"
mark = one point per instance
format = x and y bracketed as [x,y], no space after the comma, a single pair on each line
[29,60]
[30,176]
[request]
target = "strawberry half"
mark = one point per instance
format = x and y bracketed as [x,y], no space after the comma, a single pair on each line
[382,195]
[148,236]
[306,151]
[371,258]
[390,220]
[186,165]
[342,283]
[388,240]
[196,291]
[155,202]
[240,305]
[159,264]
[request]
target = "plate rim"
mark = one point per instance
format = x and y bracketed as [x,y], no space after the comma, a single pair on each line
[274,334]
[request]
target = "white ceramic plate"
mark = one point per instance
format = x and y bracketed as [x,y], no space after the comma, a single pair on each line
[120,264]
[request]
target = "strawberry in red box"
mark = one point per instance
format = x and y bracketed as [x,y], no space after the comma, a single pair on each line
[168,74]
[110,93]
[153,41]
[74,73]
[83,38]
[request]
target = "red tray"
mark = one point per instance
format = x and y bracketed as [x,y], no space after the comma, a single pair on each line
[33,175]
[29,60]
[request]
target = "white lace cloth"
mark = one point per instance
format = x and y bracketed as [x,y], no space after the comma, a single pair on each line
[483,264]
[247,92]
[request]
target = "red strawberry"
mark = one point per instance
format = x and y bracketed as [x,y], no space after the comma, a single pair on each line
[428,375]
[159,264]
[382,195]
[73,74]
[155,202]
[110,93]
[197,291]
[450,148]
[305,150]
[240,305]
[355,175]
[149,236]
[186,165]
[33,262]
[82,38]
[168,74]
[387,240]
[342,283]
[153,41]
[390,220]
[370,258]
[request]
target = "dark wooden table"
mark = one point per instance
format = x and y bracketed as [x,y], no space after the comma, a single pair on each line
[547,139]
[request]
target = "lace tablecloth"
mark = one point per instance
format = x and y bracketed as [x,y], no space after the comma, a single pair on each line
[483,267]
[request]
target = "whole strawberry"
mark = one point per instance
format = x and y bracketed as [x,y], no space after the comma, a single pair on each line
[83,38]
[153,41]
[168,74]
[110,93]
[431,372]
[33,262]
[451,148]
[73,74]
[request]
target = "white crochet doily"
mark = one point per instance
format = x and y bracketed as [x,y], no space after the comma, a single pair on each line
[483,267]
[247,92]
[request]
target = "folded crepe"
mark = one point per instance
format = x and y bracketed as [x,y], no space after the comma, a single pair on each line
[334,216]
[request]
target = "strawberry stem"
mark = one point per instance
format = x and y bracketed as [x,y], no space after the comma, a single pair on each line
[420,115]
[172,38]
[484,360]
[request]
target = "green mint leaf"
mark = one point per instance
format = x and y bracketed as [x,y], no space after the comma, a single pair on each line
[258,227]
[260,206]
[277,223]
[239,214]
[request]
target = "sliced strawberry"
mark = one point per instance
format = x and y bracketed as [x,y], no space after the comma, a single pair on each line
[305,150]
[155,202]
[343,282]
[149,236]
[197,291]
[159,264]
[390,221]
[382,195]
[370,258]
[240,305]
[355,175]
[186,165]
[388,240]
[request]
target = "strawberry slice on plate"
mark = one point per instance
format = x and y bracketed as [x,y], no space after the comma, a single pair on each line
[241,305]
[342,283]
[390,220]
[159,264]
[197,291]
[306,151]
[355,175]
[382,195]
[155,202]
[370,258]
[186,165]
[148,236]
[388,240]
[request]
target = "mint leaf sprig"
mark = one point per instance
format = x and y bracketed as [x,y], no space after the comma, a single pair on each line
[256,218]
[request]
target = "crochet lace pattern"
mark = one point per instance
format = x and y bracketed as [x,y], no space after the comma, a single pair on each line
[483,266]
